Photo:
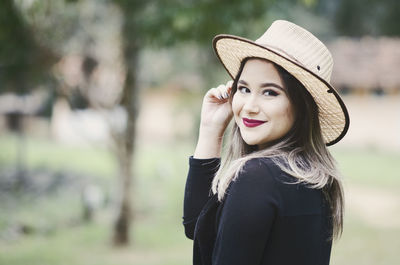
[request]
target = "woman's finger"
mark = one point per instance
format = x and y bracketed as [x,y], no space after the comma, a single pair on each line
[214,93]
[223,90]
[229,86]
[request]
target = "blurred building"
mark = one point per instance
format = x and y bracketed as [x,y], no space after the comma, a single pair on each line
[366,73]
[367,65]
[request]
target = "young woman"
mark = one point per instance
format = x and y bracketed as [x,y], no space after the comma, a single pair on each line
[277,196]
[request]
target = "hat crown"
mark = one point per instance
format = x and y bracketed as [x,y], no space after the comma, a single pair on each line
[291,40]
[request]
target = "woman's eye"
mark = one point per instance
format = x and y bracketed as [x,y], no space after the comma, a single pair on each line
[270,92]
[244,89]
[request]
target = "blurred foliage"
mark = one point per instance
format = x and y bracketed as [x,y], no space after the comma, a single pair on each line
[168,20]
[165,22]
[33,33]
[356,18]
[23,60]
[368,17]
[37,33]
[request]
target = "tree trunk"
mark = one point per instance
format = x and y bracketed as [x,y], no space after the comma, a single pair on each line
[124,217]
[125,144]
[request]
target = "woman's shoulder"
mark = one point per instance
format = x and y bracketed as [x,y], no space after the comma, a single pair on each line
[265,172]
[259,171]
[255,183]
[263,167]
[265,177]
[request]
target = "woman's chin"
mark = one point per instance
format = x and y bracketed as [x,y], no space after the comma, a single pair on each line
[252,141]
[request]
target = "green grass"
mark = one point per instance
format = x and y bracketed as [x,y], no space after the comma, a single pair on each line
[157,235]
[366,245]
[370,167]
[45,153]
[90,245]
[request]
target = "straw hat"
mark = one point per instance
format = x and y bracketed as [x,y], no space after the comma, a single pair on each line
[303,56]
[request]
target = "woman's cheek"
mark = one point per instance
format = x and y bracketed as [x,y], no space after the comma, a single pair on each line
[290,114]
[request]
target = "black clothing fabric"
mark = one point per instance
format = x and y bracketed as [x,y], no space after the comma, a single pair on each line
[264,218]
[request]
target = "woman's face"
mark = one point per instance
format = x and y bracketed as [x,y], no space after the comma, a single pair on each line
[261,107]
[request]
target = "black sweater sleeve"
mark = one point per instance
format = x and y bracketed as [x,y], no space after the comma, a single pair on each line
[250,209]
[197,190]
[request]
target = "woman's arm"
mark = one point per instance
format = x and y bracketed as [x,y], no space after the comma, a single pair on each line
[216,113]
[197,190]
[209,144]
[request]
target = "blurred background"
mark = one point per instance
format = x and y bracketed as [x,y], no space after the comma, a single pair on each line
[99,111]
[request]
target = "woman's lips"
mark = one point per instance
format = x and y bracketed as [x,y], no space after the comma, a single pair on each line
[252,123]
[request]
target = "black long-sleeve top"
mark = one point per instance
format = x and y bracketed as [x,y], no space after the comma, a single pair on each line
[262,220]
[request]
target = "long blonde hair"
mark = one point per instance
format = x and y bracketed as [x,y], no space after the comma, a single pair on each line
[301,153]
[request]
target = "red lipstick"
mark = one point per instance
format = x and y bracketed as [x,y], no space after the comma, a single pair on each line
[251,122]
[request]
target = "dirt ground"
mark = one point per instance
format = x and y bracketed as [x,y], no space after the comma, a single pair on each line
[376,207]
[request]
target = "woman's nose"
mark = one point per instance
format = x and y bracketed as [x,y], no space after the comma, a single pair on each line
[250,105]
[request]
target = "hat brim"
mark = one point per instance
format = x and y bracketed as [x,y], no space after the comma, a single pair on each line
[333,115]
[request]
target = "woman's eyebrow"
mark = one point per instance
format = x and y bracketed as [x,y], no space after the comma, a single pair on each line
[263,85]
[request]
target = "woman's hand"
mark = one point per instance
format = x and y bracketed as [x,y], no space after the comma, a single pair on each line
[216,111]
[216,114]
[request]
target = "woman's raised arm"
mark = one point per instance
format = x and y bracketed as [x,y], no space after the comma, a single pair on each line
[216,113]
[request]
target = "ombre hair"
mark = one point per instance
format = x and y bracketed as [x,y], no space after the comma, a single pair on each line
[300,153]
